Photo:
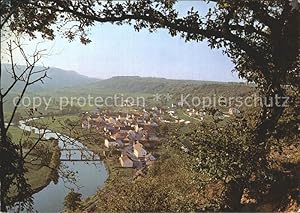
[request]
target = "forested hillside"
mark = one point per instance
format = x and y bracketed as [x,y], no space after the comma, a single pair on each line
[141,85]
[57,78]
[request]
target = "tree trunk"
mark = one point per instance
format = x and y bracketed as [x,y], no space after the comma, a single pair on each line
[233,195]
[265,126]
[2,199]
[3,144]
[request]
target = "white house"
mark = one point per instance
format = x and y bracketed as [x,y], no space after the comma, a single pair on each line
[138,150]
[125,161]
[111,120]
[110,143]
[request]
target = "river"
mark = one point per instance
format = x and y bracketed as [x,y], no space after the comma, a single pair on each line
[90,176]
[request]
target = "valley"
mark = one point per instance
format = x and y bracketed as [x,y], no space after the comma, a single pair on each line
[142,144]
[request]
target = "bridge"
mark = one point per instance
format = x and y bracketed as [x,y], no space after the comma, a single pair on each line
[85,155]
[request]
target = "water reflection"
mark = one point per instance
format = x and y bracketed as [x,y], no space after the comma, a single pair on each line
[90,175]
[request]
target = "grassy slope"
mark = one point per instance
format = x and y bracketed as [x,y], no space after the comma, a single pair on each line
[169,185]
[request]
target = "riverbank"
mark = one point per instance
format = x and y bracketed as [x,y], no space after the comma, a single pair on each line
[115,173]
[48,174]
[171,165]
[42,164]
[94,142]
[169,185]
[38,175]
[60,125]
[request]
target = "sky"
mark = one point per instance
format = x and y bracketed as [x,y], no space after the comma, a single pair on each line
[121,51]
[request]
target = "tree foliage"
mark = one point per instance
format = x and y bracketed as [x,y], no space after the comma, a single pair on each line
[13,167]
[169,185]
[253,33]
[225,151]
[72,200]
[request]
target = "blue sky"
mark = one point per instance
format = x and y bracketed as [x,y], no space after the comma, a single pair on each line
[119,51]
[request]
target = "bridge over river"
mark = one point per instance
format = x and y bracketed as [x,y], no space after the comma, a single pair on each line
[78,154]
[90,172]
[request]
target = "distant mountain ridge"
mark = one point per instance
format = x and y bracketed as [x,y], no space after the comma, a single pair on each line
[62,82]
[57,79]
[151,85]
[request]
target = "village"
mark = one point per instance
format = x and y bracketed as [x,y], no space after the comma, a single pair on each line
[131,134]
